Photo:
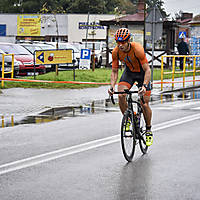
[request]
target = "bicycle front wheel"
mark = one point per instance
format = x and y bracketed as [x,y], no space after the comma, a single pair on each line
[128,140]
[142,138]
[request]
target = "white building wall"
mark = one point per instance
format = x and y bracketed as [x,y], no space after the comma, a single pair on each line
[48,24]
[77,34]
[11,27]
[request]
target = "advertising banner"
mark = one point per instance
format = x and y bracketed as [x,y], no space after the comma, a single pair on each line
[28,25]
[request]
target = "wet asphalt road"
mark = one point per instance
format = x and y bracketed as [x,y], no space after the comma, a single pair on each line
[81,158]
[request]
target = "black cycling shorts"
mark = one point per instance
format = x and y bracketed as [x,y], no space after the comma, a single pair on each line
[128,78]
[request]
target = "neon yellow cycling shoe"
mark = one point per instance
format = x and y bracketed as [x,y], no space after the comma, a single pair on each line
[128,124]
[149,138]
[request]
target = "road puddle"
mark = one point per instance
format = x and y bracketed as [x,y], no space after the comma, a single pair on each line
[179,96]
[57,113]
[95,107]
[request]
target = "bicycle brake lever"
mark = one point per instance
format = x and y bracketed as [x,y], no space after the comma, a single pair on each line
[111,97]
[142,99]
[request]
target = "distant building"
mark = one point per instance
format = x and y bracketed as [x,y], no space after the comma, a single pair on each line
[183,24]
[135,23]
[49,27]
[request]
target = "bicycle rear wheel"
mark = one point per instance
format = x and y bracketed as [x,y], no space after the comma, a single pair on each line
[128,140]
[142,138]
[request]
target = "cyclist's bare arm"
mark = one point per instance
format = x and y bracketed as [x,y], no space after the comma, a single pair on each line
[114,77]
[147,77]
[113,80]
[147,71]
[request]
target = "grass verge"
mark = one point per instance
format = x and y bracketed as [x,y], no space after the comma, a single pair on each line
[99,75]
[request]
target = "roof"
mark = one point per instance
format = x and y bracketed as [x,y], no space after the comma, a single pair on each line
[136,18]
[184,20]
[195,22]
[133,17]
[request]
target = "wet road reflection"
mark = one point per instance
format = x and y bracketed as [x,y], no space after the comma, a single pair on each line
[181,95]
[57,113]
[95,107]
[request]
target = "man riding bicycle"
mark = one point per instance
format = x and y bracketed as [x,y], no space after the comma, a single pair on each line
[137,69]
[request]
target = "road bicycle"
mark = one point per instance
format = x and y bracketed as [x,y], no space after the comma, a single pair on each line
[132,126]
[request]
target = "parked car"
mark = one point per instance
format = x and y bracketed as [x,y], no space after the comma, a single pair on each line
[34,46]
[25,59]
[8,65]
[76,52]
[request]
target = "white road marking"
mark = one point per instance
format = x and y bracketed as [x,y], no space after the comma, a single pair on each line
[178,105]
[197,108]
[35,160]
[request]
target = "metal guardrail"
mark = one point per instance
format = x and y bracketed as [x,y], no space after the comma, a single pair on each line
[3,121]
[190,68]
[3,67]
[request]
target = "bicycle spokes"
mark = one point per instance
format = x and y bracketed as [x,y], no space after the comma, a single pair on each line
[128,137]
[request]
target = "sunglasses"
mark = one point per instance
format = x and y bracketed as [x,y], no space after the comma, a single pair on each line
[121,42]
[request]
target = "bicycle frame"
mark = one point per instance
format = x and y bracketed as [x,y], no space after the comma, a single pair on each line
[130,102]
[137,131]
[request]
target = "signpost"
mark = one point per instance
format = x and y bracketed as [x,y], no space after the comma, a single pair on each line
[85,59]
[153,30]
[53,56]
[47,57]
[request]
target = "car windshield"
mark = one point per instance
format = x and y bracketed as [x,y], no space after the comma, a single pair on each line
[90,46]
[46,47]
[68,46]
[32,48]
[16,49]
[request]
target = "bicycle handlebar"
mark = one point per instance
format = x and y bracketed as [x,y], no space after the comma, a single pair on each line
[127,92]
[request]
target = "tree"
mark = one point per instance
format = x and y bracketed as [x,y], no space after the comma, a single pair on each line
[159,4]
[76,6]
[151,3]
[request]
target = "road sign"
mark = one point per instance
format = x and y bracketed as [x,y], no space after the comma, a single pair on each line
[85,59]
[153,30]
[53,56]
[182,34]
[154,25]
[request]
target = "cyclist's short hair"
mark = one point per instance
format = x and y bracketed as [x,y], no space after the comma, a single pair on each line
[122,34]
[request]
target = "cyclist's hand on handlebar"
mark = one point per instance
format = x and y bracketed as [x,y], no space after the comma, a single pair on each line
[111,91]
[141,91]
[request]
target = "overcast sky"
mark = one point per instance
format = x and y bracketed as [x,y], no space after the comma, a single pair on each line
[174,6]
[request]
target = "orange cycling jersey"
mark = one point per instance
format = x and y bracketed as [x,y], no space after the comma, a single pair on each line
[133,59]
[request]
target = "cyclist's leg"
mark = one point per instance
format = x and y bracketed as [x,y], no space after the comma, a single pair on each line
[126,82]
[122,97]
[147,110]
[147,114]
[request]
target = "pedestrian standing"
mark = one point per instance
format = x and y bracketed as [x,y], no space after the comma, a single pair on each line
[182,50]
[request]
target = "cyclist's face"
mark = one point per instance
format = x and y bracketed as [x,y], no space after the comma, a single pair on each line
[123,46]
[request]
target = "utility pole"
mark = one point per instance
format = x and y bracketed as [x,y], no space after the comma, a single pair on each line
[93,33]
[144,41]
[88,17]
[57,33]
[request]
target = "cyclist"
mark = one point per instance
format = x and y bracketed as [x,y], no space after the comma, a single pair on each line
[137,69]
